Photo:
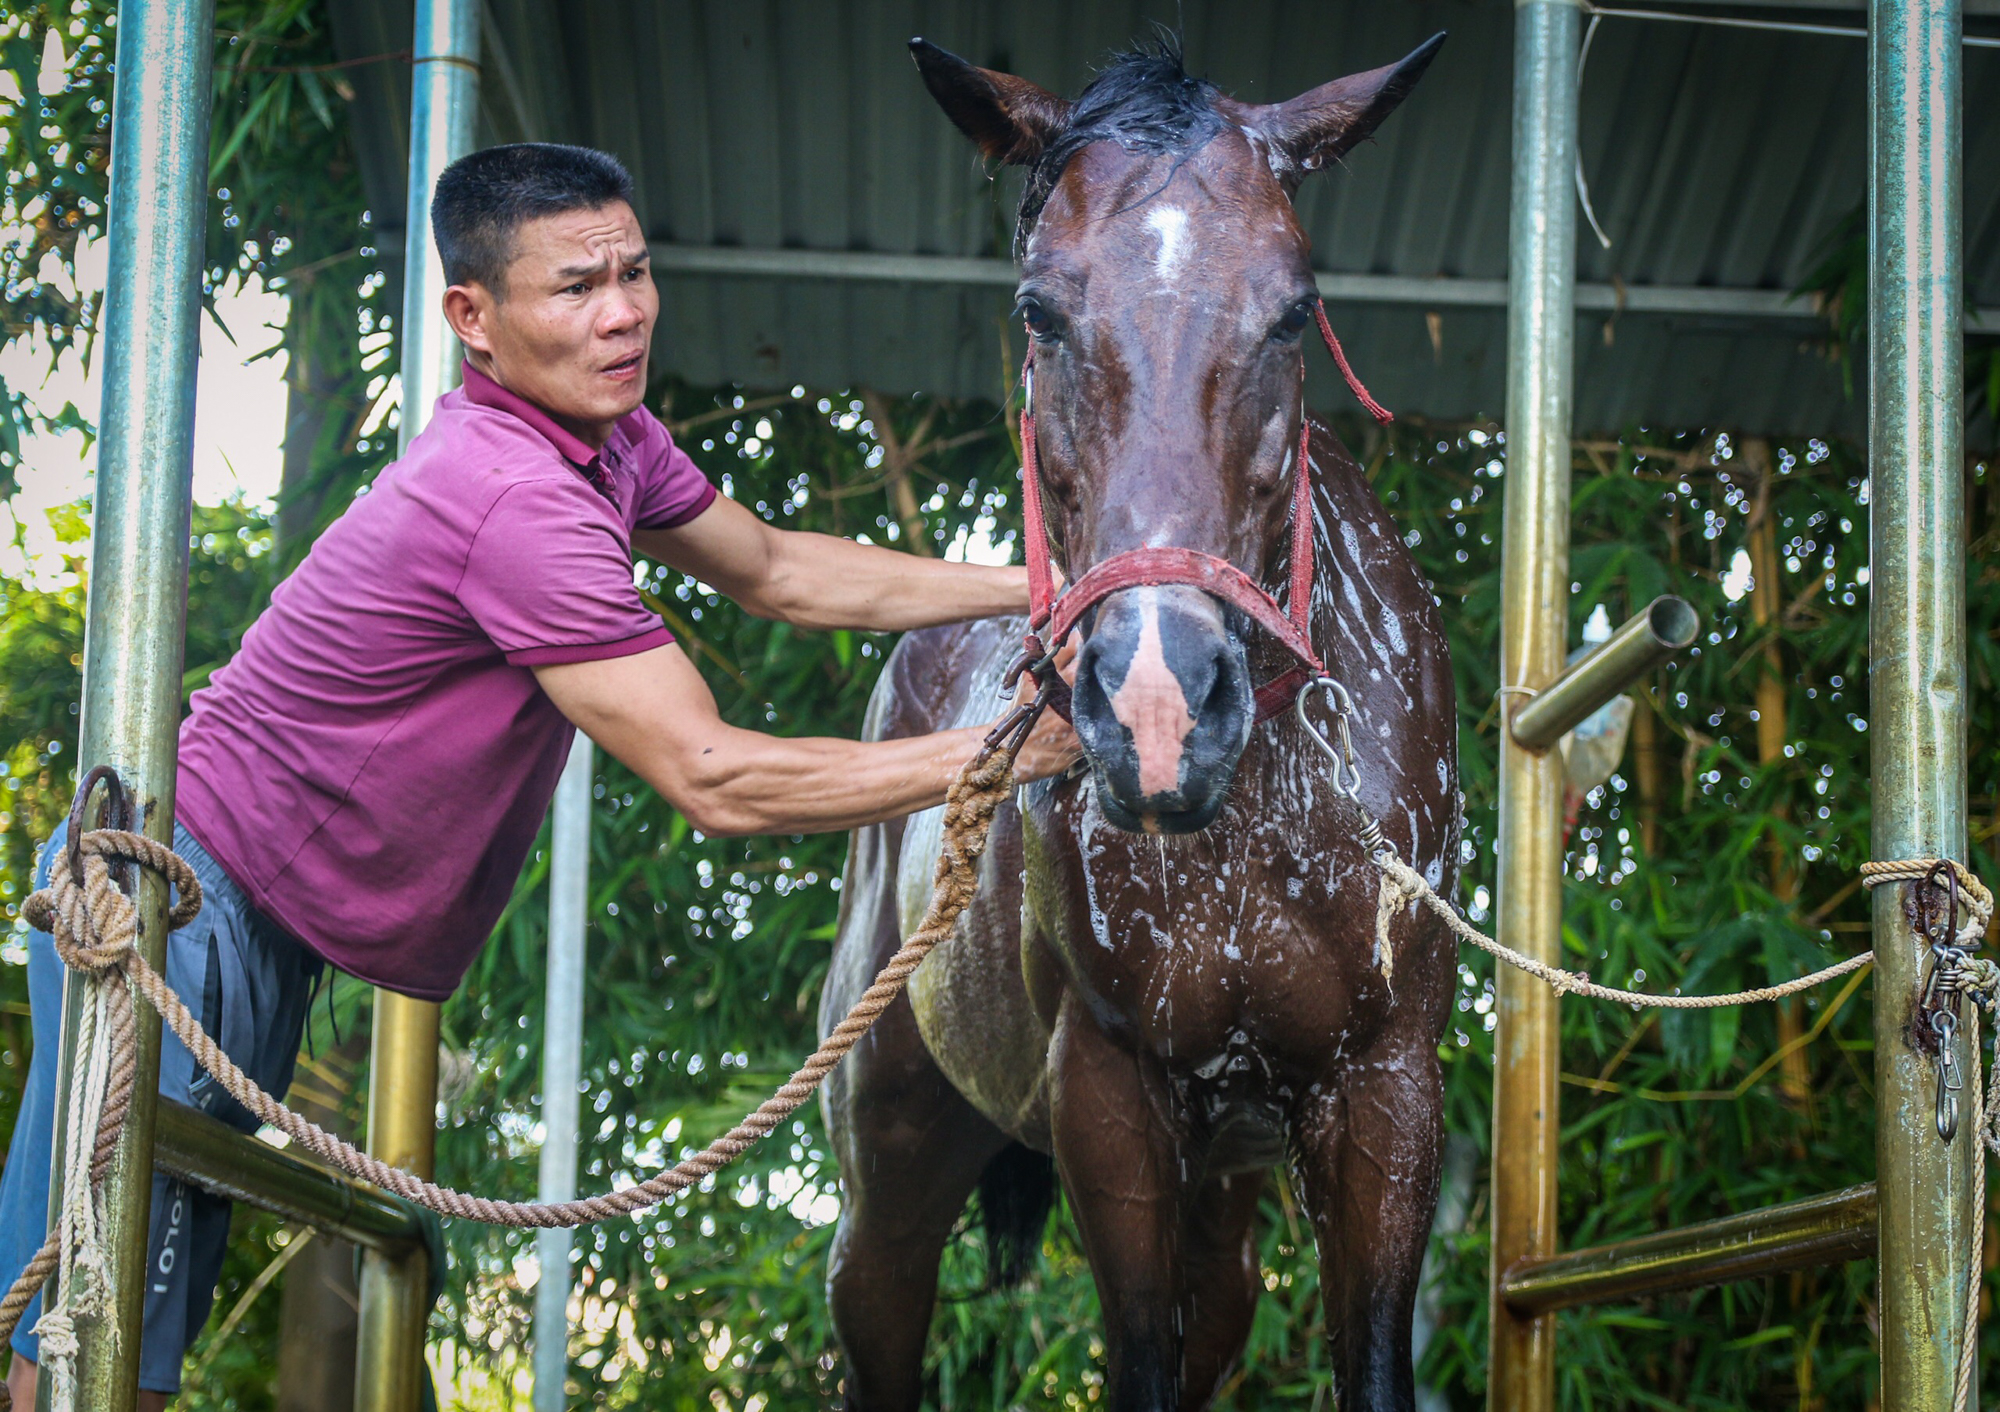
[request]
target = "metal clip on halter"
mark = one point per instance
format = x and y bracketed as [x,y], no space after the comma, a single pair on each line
[1346,772]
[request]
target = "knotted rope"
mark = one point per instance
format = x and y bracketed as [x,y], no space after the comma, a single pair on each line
[95,927]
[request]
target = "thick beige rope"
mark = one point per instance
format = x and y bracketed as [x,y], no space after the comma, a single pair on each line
[95,927]
[1986,1135]
[1402,884]
[100,926]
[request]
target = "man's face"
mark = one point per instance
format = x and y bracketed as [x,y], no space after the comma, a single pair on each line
[572,330]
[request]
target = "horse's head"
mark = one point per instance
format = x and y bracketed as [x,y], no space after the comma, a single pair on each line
[1166,282]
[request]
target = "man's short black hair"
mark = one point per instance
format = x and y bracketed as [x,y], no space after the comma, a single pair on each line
[484,197]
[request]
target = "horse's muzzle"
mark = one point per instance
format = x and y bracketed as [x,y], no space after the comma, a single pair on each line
[1163,705]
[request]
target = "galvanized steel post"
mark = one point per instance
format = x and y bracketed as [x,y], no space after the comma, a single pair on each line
[562,1064]
[137,616]
[402,1083]
[1917,681]
[1534,623]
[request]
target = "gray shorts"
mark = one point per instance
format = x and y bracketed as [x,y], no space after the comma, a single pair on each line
[251,983]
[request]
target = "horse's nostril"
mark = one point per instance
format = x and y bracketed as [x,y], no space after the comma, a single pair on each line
[1093,672]
[1221,691]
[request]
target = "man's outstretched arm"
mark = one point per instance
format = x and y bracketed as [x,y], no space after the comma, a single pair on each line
[653,711]
[822,581]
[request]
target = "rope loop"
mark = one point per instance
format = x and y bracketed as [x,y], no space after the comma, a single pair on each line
[1976,898]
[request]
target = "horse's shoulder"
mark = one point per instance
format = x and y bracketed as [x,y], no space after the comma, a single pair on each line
[927,681]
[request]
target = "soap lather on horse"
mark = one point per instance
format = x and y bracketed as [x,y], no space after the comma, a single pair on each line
[1170,979]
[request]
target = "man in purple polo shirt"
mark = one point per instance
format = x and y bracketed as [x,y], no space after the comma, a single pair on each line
[360,785]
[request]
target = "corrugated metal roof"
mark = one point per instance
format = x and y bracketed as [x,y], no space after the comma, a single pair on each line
[1718,160]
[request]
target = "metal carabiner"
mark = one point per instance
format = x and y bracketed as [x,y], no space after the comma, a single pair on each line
[1346,773]
[1945,1026]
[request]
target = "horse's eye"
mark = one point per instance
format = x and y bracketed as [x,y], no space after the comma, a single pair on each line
[1293,322]
[1039,321]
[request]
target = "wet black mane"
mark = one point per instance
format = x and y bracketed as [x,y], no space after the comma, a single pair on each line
[1144,101]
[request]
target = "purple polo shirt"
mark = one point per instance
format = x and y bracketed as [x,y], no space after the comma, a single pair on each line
[373,764]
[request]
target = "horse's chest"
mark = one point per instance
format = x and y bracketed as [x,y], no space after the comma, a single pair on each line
[1226,954]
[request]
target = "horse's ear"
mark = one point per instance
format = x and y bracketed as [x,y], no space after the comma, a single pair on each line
[1319,126]
[1011,119]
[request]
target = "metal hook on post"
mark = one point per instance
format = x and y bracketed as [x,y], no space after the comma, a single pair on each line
[117,815]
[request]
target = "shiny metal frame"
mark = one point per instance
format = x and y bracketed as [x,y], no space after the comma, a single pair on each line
[1917,681]
[1665,626]
[1534,624]
[1919,1222]
[137,613]
[215,1157]
[1797,1235]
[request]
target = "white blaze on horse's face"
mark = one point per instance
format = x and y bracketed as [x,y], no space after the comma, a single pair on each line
[1151,704]
[1170,223]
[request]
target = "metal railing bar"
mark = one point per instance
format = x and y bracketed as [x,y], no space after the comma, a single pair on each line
[1665,626]
[1796,1235]
[215,1157]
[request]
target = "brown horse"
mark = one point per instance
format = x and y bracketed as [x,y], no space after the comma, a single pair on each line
[1169,981]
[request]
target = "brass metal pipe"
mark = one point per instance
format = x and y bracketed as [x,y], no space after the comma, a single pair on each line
[191,1145]
[402,1131]
[137,616]
[1917,679]
[1534,618]
[1667,625]
[1797,1235]
[402,1066]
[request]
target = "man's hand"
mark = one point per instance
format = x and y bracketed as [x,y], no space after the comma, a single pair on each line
[1052,746]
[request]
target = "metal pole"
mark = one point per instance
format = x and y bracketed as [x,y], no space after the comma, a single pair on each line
[562,1065]
[1534,621]
[1917,681]
[1659,630]
[137,617]
[402,1084]
[1797,1235]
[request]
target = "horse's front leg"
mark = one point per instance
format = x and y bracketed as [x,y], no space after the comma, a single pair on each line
[1121,1167]
[1366,1145]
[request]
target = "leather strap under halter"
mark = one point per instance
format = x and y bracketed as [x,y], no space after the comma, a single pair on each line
[1051,618]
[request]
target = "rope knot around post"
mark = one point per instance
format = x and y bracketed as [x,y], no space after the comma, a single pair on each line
[95,926]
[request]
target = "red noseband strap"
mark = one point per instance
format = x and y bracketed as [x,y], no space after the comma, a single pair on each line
[1051,619]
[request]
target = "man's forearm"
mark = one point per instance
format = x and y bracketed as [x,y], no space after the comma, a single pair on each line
[825,582]
[652,711]
[749,783]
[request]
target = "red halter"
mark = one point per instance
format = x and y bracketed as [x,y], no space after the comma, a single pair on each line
[1050,618]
